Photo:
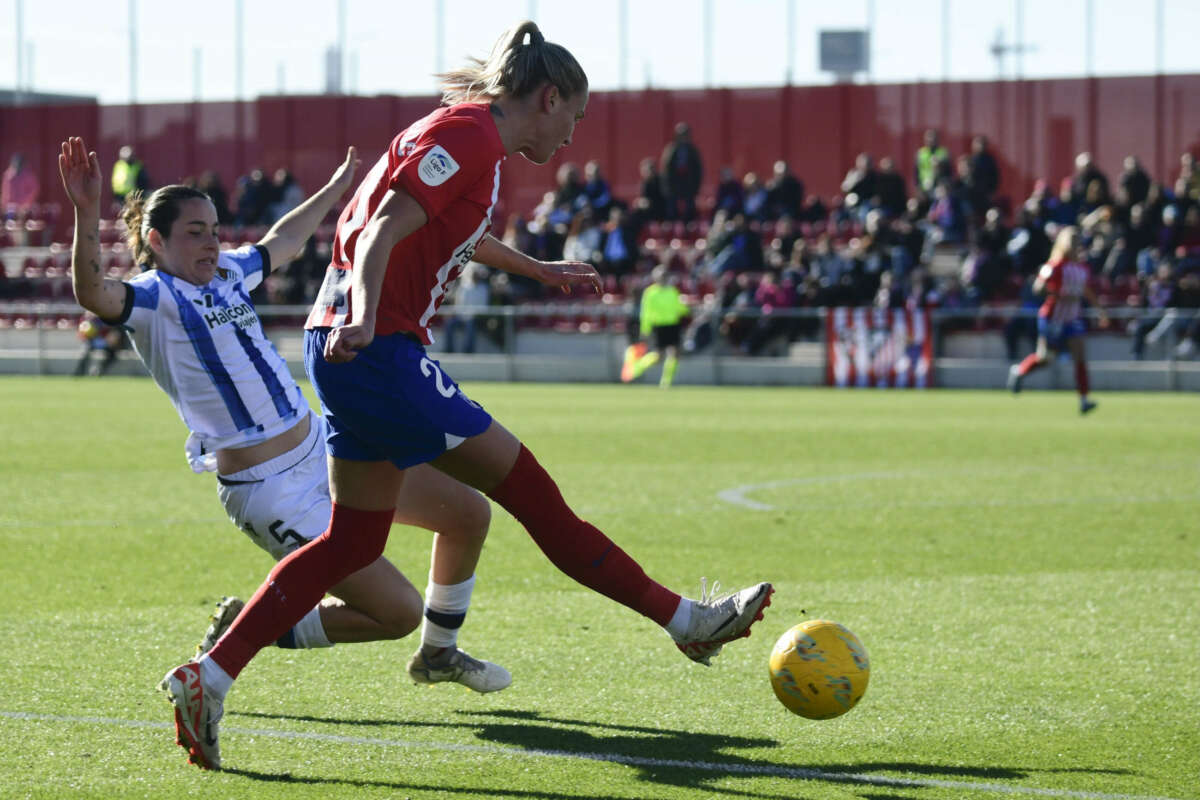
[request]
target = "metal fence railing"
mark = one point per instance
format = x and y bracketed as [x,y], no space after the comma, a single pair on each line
[40,335]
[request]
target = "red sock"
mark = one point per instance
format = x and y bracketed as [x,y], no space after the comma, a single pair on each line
[353,540]
[576,547]
[1081,378]
[1029,364]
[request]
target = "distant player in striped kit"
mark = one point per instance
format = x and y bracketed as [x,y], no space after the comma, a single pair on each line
[192,323]
[419,216]
[1064,280]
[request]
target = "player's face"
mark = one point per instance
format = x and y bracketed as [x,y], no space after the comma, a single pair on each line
[191,251]
[557,126]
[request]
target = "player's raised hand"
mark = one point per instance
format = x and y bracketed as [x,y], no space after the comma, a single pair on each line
[344,343]
[565,274]
[80,171]
[343,177]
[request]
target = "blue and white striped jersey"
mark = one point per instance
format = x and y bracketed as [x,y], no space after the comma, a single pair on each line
[205,347]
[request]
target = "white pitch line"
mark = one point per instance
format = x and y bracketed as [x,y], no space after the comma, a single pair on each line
[737,495]
[799,773]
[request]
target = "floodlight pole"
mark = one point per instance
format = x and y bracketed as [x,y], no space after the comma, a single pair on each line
[238,48]
[20,51]
[708,43]
[133,77]
[622,44]
[439,37]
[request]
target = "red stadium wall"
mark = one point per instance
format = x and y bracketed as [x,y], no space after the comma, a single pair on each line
[1036,128]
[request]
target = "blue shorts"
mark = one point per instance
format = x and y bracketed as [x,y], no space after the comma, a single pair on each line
[1056,334]
[391,403]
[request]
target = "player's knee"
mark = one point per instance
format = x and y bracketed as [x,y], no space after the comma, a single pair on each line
[476,518]
[403,616]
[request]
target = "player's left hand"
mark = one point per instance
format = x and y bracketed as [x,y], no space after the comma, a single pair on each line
[565,274]
[344,175]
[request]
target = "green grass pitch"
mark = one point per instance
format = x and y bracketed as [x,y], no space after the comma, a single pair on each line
[1027,583]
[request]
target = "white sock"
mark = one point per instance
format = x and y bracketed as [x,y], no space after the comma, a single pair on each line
[309,631]
[679,621]
[215,679]
[445,609]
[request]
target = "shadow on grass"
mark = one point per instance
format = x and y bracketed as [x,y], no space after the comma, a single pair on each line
[467,791]
[670,757]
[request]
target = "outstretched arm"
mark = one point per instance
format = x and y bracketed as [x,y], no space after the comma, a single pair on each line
[80,171]
[561,274]
[287,236]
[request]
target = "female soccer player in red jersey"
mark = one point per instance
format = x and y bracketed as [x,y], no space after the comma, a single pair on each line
[1064,280]
[193,324]
[422,212]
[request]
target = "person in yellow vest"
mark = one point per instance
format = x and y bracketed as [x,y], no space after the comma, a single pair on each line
[662,311]
[128,174]
[932,158]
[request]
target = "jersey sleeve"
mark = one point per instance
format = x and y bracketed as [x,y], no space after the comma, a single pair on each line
[141,302]
[253,262]
[1051,277]
[441,165]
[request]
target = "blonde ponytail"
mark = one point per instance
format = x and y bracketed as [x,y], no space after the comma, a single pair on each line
[520,62]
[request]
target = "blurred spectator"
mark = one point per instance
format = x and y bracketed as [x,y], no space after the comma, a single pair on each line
[101,341]
[890,188]
[1134,180]
[947,215]
[252,196]
[128,174]
[932,161]
[770,296]
[210,183]
[651,203]
[585,238]
[19,188]
[860,184]
[755,203]
[567,195]
[1156,296]
[735,249]
[596,191]
[471,290]
[729,193]
[1023,324]
[619,248]
[285,195]
[785,192]
[1028,245]
[682,172]
[984,174]
[1187,186]
[1086,172]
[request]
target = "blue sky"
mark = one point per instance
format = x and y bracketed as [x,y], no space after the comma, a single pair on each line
[82,46]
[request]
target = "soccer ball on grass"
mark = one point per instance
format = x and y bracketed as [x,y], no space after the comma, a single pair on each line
[819,669]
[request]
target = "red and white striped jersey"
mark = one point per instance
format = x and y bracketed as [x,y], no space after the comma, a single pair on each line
[1064,282]
[449,162]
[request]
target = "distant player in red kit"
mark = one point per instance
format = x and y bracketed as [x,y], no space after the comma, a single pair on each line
[1064,281]
[420,215]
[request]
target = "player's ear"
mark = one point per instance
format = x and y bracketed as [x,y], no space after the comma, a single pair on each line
[550,98]
[155,241]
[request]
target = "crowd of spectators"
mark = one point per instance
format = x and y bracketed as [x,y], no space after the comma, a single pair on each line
[940,237]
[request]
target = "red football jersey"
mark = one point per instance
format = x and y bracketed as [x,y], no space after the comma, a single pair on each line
[450,163]
[1064,282]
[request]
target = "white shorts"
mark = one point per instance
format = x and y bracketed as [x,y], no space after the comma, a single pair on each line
[283,503]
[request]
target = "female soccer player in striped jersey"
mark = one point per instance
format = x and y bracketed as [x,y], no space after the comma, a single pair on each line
[423,212]
[193,325]
[1064,281]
